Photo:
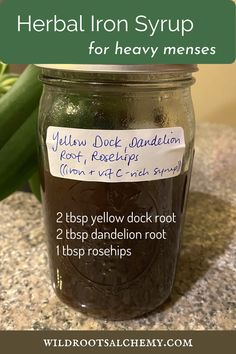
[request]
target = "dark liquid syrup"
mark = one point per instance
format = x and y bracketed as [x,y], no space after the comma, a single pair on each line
[111,287]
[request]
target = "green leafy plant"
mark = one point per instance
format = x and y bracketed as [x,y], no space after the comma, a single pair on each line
[7,80]
[18,141]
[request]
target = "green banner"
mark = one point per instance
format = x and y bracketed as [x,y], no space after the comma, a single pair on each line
[117,32]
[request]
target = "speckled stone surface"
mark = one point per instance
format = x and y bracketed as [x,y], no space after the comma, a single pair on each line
[205,288]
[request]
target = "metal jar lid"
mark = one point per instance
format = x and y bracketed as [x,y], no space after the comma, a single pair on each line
[154,68]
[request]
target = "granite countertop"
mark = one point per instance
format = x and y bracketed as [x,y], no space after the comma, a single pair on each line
[205,288]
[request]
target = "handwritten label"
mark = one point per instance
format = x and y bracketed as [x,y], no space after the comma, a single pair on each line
[115,155]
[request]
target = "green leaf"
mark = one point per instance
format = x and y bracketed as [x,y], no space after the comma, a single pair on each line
[3,68]
[34,183]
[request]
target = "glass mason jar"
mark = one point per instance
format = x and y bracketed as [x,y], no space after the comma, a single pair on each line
[116,151]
